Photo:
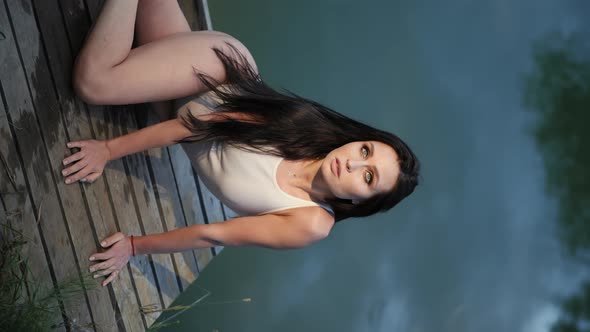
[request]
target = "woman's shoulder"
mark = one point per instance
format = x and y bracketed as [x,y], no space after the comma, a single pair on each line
[316,216]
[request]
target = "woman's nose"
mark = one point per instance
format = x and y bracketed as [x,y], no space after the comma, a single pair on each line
[351,165]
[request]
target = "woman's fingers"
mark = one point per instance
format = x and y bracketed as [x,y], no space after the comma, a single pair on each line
[76,144]
[74,157]
[104,265]
[110,278]
[112,260]
[74,168]
[100,256]
[91,178]
[109,241]
[104,272]
[77,176]
[92,158]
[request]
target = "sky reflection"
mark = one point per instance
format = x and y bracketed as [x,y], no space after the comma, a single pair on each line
[476,247]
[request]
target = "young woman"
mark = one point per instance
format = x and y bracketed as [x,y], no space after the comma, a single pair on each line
[290,166]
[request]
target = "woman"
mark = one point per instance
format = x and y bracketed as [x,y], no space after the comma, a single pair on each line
[311,166]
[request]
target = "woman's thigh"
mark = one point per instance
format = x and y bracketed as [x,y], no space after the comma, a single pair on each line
[164,69]
[158,19]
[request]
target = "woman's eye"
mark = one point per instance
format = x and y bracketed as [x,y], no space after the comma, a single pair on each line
[368,177]
[364,152]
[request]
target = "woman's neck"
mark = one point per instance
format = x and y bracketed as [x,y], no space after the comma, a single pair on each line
[305,175]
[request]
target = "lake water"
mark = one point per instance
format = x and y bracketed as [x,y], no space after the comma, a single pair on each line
[478,246]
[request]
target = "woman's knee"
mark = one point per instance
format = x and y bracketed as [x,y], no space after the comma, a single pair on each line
[89,84]
[239,46]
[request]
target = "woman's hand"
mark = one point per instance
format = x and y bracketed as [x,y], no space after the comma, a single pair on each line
[89,162]
[114,259]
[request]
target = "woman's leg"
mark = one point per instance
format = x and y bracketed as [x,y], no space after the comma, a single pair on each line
[110,39]
[157,19]
[108,71]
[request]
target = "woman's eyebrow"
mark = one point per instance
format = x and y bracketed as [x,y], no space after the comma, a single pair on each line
[375,170]
[376,174]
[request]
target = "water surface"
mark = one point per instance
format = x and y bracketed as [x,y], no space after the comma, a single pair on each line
[480,246]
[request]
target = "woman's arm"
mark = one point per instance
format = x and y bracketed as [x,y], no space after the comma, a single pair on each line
[276,231]
[161,134]
[90,161]
[296,228]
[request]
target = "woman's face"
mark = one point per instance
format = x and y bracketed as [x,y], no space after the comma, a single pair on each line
[360,170]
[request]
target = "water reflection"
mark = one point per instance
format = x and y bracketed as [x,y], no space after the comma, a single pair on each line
[476,248]
[559,92]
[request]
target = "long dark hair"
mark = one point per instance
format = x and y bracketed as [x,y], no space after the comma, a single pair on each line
[292,127]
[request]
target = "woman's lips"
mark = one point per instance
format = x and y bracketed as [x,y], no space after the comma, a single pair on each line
[336,167]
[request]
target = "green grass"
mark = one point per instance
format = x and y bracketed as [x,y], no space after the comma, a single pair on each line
[24,305]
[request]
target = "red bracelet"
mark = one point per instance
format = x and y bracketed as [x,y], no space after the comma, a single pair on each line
[132,246]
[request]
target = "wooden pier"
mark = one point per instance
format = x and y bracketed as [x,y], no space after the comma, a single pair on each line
[143,193]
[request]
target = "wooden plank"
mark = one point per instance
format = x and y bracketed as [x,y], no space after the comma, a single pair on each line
[196,14]
[94,8]
[203,15]
[3,219]
[229,213]
[212,207]
[10,231]
[190,11]
[143,190]
[78,127]
[107,122]
[17,203]
[20,91]
[189,197]
[168,203]
[54,133]
[10,215]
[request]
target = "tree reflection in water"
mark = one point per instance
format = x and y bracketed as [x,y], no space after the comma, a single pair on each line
[559,91]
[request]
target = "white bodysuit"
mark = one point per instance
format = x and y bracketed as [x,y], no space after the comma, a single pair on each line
[244,181]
